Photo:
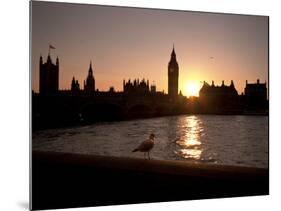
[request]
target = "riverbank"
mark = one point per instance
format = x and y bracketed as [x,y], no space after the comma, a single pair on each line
[63,180]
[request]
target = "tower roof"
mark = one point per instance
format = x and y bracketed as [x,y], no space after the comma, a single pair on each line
[173,60]
[90,68]
[173,52]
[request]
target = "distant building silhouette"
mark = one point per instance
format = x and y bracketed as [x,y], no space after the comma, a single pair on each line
[153,88]
[173,75]
[136,86]
[49,76]
[111,89]
[218,98]
[89,84]
[75,86]
[255,94]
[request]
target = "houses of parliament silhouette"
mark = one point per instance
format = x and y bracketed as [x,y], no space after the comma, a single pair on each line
[49,80]
[52,107]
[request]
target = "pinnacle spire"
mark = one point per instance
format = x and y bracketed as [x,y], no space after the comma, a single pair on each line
[173,52]
[90,65]
[90,68]
[41,59]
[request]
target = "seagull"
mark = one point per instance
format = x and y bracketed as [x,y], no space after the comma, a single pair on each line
[146,145]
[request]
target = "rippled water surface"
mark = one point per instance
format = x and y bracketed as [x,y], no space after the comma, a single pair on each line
[230,140]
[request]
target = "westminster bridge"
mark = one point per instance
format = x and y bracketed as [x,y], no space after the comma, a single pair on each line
[67,108]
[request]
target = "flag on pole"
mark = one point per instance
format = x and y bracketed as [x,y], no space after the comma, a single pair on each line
[51,47]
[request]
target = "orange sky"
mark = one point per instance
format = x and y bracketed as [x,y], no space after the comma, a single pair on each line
[133,43]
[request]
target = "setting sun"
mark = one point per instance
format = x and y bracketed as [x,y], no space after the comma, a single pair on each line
[192,88]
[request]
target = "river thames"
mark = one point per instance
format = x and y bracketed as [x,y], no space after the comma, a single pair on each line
[214,139]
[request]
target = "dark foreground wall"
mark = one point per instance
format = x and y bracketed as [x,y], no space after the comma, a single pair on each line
[61,180]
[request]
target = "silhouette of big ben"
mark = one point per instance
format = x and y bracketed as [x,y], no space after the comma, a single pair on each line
[173,75]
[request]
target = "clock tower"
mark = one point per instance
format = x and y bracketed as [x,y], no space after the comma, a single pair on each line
[173,75]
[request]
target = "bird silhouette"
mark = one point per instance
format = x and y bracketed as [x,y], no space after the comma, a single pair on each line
[146,146]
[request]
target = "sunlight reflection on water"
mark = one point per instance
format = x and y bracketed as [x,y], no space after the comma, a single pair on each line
[190,145]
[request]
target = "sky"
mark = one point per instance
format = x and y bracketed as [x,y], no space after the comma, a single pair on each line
[128,43]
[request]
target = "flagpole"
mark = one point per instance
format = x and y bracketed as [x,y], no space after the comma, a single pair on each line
[51,47]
